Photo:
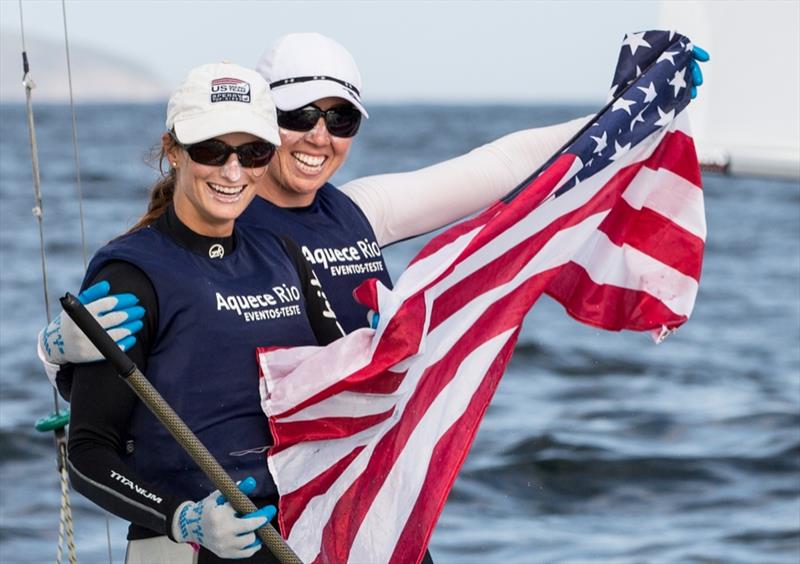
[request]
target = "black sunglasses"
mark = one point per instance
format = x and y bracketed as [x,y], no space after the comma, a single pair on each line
[214,152]
[341,121]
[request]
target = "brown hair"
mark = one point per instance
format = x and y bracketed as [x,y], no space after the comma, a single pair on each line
[162,191]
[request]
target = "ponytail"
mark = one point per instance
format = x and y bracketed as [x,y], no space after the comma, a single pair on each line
[161,193]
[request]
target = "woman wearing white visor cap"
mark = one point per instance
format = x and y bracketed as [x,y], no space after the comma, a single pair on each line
[212,291]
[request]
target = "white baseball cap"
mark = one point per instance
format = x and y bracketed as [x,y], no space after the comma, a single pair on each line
[304,67]
[221,98]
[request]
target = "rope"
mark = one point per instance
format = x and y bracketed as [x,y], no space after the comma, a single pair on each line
[38,212]
[65,523]
[74,137]
[65,532]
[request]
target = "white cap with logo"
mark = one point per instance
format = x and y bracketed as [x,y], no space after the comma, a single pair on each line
[221,98]
[304,67]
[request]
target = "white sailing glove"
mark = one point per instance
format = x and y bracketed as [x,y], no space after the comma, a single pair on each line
[63,342]
[213,523]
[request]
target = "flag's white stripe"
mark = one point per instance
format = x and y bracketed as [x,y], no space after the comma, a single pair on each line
[626,267]
[675,198]
[345,404]
[377,536]
[421,273]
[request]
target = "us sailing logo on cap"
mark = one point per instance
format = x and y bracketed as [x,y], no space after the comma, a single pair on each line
[230,90]
[216,251]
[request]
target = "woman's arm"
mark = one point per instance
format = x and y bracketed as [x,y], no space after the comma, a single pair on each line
[101,408]
[403,205]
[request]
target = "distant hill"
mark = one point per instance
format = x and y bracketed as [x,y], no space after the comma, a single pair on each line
[96,76]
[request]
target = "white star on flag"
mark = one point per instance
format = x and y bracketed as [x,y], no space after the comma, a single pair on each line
[638,118]
[620,150]
[634,41]
[649,92]
[678,81]
[623,104]
[601,143]
[667,56]
[665,118]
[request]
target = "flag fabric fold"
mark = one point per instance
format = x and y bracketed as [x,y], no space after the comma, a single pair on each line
[371,431]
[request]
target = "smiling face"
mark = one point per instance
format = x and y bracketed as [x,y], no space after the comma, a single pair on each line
[209,198]
[304,162]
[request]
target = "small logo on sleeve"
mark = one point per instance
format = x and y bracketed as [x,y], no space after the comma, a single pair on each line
[230,90]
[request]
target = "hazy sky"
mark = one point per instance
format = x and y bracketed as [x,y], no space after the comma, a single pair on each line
[438,51]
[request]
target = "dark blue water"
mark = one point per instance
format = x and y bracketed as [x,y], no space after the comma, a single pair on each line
[598,447]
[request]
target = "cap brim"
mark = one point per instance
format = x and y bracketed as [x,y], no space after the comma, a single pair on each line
[213,124]
[293,96]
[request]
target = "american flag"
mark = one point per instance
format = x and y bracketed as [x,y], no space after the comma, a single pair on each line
[371,431]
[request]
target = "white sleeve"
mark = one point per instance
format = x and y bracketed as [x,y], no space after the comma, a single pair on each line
[407,204]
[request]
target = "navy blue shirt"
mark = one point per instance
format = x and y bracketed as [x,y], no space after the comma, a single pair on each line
[209,304]
[336,239]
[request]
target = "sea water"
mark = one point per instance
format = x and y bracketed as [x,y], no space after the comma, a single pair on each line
[598,446]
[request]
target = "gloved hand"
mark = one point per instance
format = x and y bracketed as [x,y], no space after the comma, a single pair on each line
[373,317]
[698,54]
[62,341]
[213,523]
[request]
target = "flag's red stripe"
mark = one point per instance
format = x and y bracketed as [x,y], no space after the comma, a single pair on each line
[366,293]
[609,307]
[292,504]
[656,236]
[537,190]
[323,429]
[676,153]
[452,448]
[388,384]
[353,505]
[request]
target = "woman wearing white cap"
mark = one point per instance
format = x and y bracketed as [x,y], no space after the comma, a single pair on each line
[316,87]
[212,293]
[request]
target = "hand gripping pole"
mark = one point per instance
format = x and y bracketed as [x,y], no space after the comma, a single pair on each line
[174,424]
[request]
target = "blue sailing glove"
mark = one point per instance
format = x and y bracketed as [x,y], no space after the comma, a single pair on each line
[698,54]
[213,523]
[63,342]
